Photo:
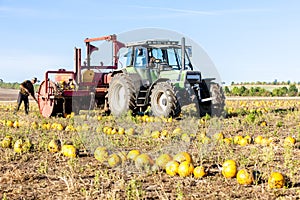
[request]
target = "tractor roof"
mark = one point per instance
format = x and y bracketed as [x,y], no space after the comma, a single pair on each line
[154,43]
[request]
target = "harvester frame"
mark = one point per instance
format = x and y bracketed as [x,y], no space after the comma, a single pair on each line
[52,101]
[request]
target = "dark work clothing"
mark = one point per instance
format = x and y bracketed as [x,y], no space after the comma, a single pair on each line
[29,86]
[23,95]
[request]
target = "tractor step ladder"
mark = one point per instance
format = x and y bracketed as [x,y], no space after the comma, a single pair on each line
[141,99]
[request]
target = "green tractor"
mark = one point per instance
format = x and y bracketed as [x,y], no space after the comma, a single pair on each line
[159,75]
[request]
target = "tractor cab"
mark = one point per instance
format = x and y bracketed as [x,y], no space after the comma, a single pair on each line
[160,54]
[155,59]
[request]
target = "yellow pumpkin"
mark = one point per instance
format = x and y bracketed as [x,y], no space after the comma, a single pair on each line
[22,145]
[276,180]
[245,177]
[26,146]
[258,139]
[143,161]
[18,146]
[229,169]
[6,142]
[121,131]
[236,139]
[54,146]
[177,131]
[162,160]
[133,154]
[129,131]
[114,160]
[9,123]
[219,136]
[199,172]
[101,154]
[185,169]
[172,167]
[69,150]
[183,156]
[155,134]
[289,141]
[227,140]
[243,142]
[265,142]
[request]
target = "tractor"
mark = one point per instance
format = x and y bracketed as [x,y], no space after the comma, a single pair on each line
[155,76]
[160,75]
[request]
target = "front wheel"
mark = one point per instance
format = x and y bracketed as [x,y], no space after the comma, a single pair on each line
[121,94]
[164,101]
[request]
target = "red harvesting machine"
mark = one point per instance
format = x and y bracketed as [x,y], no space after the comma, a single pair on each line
[71,91]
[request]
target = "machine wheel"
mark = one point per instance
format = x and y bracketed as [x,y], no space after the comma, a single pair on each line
[218,103]
[164,101]
[216,106]
[121,94]
[204,107]
[47,106]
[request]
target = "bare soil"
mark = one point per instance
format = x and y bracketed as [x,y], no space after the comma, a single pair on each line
[8,94]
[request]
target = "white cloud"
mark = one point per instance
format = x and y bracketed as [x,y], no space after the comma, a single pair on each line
[199,12]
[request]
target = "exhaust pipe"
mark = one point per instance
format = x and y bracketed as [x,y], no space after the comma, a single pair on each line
[182,57]
[183,53]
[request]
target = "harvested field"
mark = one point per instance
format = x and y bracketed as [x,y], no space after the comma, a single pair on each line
[38,174]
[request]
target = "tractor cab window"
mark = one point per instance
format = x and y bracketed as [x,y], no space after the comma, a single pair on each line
[173,60]
[188,64]
[157,54]
[140,60]
[125,57]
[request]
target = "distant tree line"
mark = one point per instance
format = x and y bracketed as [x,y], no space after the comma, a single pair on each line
[292,90]
[14,85]
[275,82]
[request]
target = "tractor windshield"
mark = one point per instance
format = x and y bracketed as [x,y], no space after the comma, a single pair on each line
[169,56]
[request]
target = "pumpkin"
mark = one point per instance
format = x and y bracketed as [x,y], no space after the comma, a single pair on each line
[199,172]
[133,154]
[229,169]
[69,150]
[243,141]
[237,138]
[101,154]
[244,177]
[276,180]
[114,160]
[258,139]
[6,142]
[26,146]
[162,160]
[54,146]
[18,146]
[143,161]
[185,169]
[172,167]
[289,141]
[182,156]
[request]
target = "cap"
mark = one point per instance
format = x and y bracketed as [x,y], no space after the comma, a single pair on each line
[35,79]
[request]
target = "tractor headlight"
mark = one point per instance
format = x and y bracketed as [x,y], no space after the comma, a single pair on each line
[193,77]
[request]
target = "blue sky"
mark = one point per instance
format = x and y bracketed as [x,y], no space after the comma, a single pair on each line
[247,40]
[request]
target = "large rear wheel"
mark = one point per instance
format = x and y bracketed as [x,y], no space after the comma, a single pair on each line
[164,101]
[121,94]
[47,106]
